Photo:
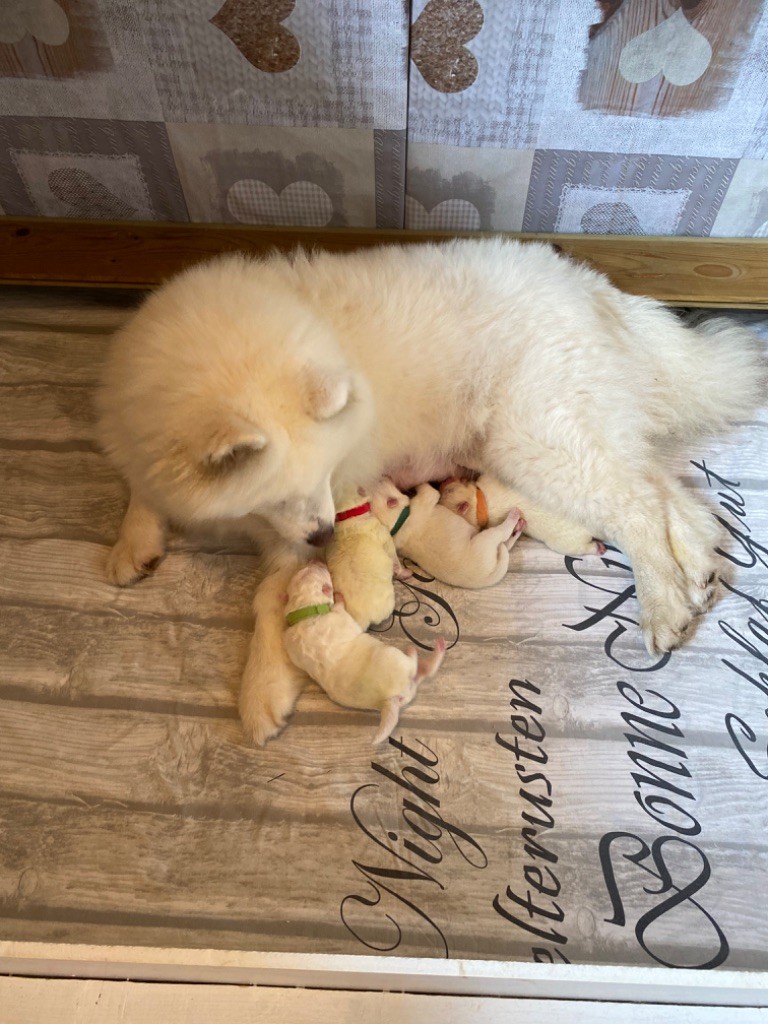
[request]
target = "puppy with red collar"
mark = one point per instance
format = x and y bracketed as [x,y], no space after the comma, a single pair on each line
[355,669]
[362,560]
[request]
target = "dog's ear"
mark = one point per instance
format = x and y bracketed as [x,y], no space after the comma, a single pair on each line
[326,392]
[231,445]
[462,508]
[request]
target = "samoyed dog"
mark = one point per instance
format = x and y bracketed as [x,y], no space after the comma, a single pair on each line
[251,391]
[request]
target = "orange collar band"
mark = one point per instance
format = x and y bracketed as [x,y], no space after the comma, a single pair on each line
[482,508]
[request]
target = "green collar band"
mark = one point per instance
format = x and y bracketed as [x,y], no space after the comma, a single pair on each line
[309,612]
[401,519]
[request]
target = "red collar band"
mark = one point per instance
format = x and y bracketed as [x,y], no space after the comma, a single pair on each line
[350,513]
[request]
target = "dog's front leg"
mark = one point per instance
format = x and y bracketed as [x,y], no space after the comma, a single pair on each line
[139,547]
[271,682]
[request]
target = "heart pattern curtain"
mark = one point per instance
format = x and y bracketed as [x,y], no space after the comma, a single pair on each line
[602,116]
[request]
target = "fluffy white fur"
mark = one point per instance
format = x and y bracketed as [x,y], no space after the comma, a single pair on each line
[447,546]
[557,532]
[353,668]
[249,388]
[362,560]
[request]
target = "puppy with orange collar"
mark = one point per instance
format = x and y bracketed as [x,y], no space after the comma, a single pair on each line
[355,669]
[450,548]
[486,502]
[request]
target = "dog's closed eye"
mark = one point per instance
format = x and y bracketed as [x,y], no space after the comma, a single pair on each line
[229,457]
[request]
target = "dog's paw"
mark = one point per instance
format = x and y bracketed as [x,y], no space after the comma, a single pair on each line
[694,534]
[127,564]
[263,720]
[265,710]
[666,618]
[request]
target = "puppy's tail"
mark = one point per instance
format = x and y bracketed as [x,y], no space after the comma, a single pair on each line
[423,668]
[716,374]
[428,666]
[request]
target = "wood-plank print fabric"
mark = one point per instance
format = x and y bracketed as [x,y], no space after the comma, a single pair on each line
[554,795]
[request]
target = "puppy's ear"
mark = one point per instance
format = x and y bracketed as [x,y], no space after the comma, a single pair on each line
[326,392]
[462,508]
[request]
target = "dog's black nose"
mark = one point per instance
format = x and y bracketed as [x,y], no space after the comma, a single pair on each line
[321,537]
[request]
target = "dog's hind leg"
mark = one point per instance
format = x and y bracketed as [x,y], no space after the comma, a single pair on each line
[271,683]
[626,498]
[694,533]
[140,546]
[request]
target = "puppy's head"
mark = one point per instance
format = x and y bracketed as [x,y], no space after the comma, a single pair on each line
[227,395]
[387,502]
[460,496]
[310,585]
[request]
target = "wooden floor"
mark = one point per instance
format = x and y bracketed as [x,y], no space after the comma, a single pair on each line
[132,812]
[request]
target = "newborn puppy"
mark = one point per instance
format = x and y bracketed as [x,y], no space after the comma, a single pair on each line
[444,544]
[487,502]
[362,560]
[353,668]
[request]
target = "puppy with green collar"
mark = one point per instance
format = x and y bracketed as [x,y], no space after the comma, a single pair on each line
[355,669]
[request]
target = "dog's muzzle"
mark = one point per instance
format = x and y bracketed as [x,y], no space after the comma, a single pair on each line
[321,537]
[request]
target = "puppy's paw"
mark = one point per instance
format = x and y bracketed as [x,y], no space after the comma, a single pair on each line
[575,543]
[512,528]
[580,547]
[127,564]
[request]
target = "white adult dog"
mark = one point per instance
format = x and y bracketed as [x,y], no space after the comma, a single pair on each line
[252,390]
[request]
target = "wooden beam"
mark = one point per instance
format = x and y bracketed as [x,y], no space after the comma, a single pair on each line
[728,272]
[59,1001]
[494,978]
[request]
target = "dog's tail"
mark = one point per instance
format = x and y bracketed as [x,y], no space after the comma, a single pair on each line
[716,374]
